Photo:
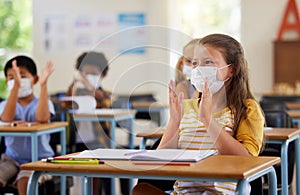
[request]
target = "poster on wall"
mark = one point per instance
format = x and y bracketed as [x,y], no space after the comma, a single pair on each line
[105,27]
[109,32]
[132,39]
[82,32]
[55,33]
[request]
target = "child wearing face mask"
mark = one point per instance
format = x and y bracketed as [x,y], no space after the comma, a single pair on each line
[184,69]
[226,118]
[22,104]
[92,68]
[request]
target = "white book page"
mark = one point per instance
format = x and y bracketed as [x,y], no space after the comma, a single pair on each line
[151,155]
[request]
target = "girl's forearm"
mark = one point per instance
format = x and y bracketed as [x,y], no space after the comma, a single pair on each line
[170,136]
[225,143]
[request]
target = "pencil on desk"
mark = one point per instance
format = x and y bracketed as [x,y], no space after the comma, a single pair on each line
[73,161]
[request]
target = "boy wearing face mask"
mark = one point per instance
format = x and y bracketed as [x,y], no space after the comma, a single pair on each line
[22,104]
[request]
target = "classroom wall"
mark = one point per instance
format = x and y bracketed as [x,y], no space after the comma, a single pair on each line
[151,72]
[260,24]
[133,73]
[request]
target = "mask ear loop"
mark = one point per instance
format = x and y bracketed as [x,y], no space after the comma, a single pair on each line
[225,67]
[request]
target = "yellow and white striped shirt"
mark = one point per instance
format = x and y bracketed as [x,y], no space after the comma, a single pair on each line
[193,136]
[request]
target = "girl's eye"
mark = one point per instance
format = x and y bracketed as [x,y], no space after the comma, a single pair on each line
[209,62]
[195,63]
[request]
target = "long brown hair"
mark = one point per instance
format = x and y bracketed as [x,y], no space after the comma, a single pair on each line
[239,88]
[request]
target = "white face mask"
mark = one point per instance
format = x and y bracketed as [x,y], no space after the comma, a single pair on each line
[210,72]
[25,88]
[94,80]
[187,70]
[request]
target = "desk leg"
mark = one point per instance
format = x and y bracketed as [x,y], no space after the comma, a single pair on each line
[241,185]
[34,147]
[63,151]
[63,140]
[32,186]
[272,182]
[87,185]
[284,168]
[112,134]
[131,134]
[297,158]
[143,143]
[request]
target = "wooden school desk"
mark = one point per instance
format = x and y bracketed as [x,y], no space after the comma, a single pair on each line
[113,116]
[36,130]
[150,134]
[153,107]
[293,105]
[225,168]
[282,136]
[295,115]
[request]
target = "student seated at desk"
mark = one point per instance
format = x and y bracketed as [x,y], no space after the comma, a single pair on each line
[92,68]
[22,104]
[226,118]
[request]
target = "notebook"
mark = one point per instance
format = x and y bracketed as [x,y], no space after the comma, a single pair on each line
[177,155]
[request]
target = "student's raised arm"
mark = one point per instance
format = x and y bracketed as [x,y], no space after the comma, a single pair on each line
[8,113]
[171,135]
[42,113]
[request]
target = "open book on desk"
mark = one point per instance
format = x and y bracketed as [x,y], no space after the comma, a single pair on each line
[176,155]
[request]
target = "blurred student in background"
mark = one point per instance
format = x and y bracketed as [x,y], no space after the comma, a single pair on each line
[184,69]
[92,68]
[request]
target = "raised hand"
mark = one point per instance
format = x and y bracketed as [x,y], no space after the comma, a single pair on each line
[46,72]
[16,72]
[175,103]
[205,106]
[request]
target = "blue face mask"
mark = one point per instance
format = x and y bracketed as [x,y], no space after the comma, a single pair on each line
[210,72]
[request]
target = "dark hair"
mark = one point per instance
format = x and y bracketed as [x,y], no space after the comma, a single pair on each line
[93,58]
[22,61]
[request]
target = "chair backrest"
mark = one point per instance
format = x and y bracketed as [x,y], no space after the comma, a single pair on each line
[275,114]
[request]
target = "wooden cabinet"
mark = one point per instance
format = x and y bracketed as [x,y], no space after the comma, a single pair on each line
[286,61]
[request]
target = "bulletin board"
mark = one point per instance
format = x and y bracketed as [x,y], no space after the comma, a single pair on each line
[286,61]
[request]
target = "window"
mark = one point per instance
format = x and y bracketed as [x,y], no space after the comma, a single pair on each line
[197,18]
[15,33]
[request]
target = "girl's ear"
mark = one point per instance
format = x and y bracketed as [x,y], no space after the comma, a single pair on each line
[231,71]
[35,79]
